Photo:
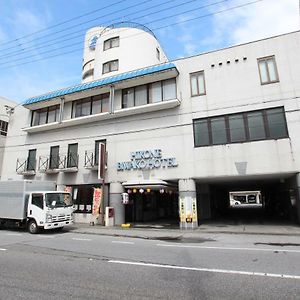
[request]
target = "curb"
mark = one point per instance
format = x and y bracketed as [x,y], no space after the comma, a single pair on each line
[181,236]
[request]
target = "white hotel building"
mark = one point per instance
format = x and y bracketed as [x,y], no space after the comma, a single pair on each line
[192,129]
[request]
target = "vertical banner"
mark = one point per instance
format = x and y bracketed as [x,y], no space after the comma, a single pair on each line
[97,202]
[194,211]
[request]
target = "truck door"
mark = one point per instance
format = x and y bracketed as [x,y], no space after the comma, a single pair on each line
[36,208]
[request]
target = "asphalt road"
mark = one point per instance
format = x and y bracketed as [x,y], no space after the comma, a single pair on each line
[69,265]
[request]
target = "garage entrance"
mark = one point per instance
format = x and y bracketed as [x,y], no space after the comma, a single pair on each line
[259,200]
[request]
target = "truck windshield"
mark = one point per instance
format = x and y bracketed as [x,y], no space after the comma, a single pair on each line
[58,200]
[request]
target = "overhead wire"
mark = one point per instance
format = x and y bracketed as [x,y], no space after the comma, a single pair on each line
[61,23]
[157,28]
[47,44]
[67,38]
[79,24]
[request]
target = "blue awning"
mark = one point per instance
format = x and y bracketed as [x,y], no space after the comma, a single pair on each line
[101,82]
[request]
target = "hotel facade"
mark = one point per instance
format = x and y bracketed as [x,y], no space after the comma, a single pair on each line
[175,138]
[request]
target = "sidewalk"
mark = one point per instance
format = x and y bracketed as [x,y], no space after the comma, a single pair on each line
[177,234]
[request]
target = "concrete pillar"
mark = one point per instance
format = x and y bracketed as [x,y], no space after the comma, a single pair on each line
[187,204]
[297,194]
[115,200]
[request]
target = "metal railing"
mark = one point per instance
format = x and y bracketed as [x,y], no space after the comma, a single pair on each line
[90,159]
[58,162]
[25,166]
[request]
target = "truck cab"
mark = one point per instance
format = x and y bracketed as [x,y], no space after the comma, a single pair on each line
[49,210]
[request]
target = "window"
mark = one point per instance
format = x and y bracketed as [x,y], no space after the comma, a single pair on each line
[150,93]
[45,115]
[201,133]
[155,92]
[31,160]
[169,89]
[218,130]
[268,70]
[111,43]
[157,53]
[100,103]
[82,108]
[3,127]
[237,128]
[37,200]
[54,157]
[256,126]
[276,123]
[197,84]
[248,126]
[72,159]
[110,66]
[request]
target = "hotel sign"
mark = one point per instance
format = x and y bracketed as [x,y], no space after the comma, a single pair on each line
[147,159]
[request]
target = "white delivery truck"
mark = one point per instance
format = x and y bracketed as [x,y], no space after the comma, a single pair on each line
[35,205]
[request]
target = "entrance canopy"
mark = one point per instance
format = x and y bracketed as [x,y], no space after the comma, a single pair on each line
[152,184]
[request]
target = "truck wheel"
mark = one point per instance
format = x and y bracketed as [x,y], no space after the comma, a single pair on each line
[32,227]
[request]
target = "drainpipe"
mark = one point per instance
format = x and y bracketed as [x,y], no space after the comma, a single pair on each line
[111,99]
[61,109]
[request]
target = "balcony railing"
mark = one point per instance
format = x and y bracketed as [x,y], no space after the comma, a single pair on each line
[90,160]
[26,166]
[58,163]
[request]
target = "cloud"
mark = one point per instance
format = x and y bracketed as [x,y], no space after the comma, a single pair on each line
[260,20]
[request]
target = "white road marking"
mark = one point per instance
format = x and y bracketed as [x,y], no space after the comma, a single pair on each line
[122,242]
[229,248]
[283,276]
[47,236]
[2,249]
[79,239]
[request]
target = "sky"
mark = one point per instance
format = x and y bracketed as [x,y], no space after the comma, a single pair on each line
[41,41]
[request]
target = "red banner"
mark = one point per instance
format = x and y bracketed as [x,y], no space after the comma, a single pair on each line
[97,201]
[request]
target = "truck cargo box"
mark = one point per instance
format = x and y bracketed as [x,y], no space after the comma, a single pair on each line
[14,196]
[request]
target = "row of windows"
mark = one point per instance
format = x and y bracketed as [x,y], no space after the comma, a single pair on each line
[3,127]
[267,71]
[149,93]
[135,96]
[241,127]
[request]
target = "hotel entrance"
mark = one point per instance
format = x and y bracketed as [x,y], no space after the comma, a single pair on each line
[157,206]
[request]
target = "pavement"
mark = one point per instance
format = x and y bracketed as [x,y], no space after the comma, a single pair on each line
[163,233]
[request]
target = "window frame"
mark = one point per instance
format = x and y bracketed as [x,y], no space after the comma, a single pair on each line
[204,84]
[52,163]
[265,59]
[110,63]
[244,115]
[70,163]
[3,127]
[101,98]
[56,108]
[31,159]
[109,42]
[148,87]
